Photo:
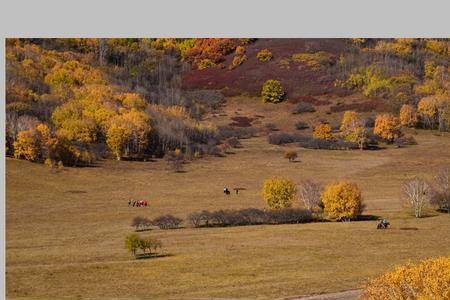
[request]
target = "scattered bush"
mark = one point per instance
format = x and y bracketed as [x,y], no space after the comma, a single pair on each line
[225,132]
[271,127]
[291,155]
[280,138]
[205,64]
[300,125]
[315,60]
[342,200]
[238,60]
[272,91]
[167,222]
[264,55]
[240,50]
[279,192]
[405,141]
[233,142]
[427,280]
[303,107]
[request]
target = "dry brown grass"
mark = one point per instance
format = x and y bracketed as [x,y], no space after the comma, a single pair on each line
[65,231]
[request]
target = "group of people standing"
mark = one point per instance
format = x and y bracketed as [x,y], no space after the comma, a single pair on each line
[137,203]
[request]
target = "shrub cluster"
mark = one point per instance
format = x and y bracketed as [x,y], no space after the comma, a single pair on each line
[300,125]
[336,144]
[264,55]
[405,141]
[249,216]
[280,138]
[303,107]
[225,132]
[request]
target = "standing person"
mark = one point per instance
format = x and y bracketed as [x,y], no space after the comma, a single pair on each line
[134,203]
[129,202]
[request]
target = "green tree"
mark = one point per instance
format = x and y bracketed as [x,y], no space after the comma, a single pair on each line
[133,243]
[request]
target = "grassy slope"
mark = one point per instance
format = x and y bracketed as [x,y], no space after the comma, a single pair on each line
[65,230]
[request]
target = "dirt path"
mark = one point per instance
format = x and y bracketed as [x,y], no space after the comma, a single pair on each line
[345,295]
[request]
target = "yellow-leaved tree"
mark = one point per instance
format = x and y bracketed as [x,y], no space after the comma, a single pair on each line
[26,145]
[408,116]
[279,192]
[342,200]
[427,280]
[323,131]
[387,126]
[353,129]
[117,139]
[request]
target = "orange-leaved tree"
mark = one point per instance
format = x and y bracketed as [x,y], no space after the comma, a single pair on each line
[387,126]
[408,116]
[323,131]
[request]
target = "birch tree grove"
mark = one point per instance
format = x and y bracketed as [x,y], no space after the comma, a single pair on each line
[417,193]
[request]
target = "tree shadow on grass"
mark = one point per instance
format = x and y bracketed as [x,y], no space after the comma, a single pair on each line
[153,255]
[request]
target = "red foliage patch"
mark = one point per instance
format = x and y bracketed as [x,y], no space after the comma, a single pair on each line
[241,122]
[249,77]
[213,49]
[372,104]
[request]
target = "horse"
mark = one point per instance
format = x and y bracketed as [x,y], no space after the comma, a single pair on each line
[383,225]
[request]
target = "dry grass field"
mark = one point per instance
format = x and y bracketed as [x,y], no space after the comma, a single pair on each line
[65,230]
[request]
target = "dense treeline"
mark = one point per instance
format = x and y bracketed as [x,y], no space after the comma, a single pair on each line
[71,100]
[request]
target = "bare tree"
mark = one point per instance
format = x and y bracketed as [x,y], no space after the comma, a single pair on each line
[442,180]
[417,193]
[309,194]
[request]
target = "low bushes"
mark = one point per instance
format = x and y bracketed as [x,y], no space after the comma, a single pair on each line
[264,55]
[301,125]
[303,107]
[249,216]
[336,144]
[280,138]
[405,141]
[225,132]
